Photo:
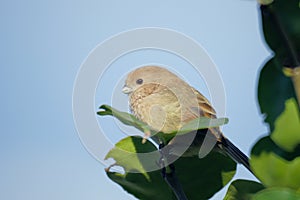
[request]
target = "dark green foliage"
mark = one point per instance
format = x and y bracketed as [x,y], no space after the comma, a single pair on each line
[243,190]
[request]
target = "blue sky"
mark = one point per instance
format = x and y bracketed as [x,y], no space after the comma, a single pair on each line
[43,44]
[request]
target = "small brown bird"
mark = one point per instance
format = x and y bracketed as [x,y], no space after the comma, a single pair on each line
[165,102]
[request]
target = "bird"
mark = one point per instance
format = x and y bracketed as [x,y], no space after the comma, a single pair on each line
[165,102]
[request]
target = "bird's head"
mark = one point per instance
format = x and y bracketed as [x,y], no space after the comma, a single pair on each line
[146,75]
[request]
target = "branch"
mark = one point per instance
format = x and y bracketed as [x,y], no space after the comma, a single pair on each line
[173,182]
[169,175]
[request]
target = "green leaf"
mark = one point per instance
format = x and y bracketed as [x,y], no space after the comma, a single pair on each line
[141,187]
[287,127]
[128,119]
[135,156]
[274,88]
[277,194]
[200,178]
[265,2]
[131,154]
[281,28]
[242,190]
[202,123]
[124,117]
[274,166]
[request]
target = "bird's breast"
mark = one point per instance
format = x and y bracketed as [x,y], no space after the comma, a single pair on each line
[160,109]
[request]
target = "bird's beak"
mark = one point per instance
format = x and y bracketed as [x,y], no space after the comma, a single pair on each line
[126,89]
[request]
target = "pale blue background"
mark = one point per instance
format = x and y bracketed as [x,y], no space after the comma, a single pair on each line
[43,44]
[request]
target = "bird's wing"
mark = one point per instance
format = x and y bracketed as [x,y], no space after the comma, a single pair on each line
[204,107]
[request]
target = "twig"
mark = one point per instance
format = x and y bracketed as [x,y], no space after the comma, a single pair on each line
[174,183]
[169,175]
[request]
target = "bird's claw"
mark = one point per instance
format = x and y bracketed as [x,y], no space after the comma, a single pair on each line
[147,134]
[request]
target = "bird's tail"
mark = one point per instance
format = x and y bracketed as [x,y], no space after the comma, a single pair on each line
[234,152]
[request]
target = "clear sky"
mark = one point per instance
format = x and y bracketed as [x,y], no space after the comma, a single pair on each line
[43,44]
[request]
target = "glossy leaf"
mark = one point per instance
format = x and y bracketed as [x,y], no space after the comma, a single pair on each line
[129,154]
[281,28]
[274,166]
[200,178]
[135,156]
[128,119]
[242,190]
[277,194]
[124,117]
[287,127]
[274,88]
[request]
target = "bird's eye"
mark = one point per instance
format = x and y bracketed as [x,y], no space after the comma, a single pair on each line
[139,81]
